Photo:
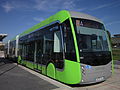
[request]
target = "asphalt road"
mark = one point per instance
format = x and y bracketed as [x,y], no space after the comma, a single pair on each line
[17,77]
[13,77]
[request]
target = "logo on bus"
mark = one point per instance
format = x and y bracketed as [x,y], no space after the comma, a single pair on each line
[88,67]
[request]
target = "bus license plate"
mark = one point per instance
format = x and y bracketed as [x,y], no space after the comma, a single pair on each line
[99,79]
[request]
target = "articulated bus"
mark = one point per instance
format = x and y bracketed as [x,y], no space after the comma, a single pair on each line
[71,47]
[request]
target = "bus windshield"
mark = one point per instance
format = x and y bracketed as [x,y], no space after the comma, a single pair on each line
[91,35]
[91,39]
[93,45]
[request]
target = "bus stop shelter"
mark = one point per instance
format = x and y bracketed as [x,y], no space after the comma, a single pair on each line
[2,36]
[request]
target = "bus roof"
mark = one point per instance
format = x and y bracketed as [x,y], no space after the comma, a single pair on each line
[60,16]
[83,16]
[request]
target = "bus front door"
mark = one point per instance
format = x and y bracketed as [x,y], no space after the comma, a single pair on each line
[38,57]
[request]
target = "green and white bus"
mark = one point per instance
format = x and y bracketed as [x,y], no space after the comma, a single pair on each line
[71,47]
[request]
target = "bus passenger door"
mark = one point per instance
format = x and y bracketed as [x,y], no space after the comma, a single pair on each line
[38,56]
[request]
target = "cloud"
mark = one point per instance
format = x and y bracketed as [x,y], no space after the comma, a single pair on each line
[81,9]
[16,5]
[105,5]
[69,4]
[41,5]
[106,18]
[101,6]
[114,22]
[46,5]
[8,7]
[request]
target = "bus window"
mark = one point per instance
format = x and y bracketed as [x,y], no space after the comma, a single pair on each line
[58,50]
[39,50]
[27,49]
[47,48]
[88,23]
[52,47]
[68,41]
[30,51]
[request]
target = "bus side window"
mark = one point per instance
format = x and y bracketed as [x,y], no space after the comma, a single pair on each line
[58,50]
[47,48]
[53,47]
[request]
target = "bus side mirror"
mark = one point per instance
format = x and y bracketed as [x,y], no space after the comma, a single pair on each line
[109,35]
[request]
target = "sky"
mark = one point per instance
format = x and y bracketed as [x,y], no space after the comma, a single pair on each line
[16,16]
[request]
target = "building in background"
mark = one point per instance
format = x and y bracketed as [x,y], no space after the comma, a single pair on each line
[116,41]
[2,36]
